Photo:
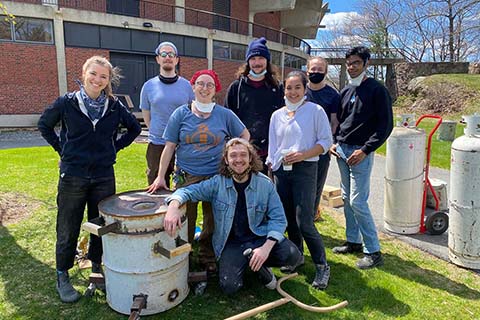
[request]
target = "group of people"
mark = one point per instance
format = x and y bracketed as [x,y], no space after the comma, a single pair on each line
[257,164]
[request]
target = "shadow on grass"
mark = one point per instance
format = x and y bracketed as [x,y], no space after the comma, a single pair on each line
[409,270]
[30,286]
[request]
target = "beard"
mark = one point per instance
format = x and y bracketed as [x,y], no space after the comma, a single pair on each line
[239,176]
[168,67]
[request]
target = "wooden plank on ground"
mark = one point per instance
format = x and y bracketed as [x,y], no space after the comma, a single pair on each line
[335,202]
[329,191]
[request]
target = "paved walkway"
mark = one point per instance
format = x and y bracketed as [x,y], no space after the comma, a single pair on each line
[20,139]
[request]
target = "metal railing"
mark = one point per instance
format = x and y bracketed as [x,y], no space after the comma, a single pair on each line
[175,14]
[340,52]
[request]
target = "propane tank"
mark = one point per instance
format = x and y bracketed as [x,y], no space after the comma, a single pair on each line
[404,178]
[464,204]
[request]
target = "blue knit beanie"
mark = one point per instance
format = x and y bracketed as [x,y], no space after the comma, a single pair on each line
[258,48]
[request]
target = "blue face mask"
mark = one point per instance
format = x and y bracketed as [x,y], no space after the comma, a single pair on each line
[257,75]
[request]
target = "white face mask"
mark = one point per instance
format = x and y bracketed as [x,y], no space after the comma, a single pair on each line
[357,80]
[204,107]
[291,107]
[257,75]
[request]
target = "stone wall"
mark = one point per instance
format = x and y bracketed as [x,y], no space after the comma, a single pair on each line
[407,71]
[474,68]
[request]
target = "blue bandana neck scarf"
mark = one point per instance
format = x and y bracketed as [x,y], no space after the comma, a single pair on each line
[94,106]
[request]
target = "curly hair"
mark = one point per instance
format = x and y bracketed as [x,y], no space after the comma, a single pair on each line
[255,162]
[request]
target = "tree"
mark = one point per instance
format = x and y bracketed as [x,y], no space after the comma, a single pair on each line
[462,19]
[417,30]
[8,16]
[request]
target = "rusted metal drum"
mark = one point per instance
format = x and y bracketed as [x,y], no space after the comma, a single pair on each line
[141,260]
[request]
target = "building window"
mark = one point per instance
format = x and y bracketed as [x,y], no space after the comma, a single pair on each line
[229,51]
[221,7]
[295,62]
[5,28]
[27,29]
[276,57]
[124,7]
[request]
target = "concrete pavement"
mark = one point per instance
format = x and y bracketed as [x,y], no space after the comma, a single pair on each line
[433,244]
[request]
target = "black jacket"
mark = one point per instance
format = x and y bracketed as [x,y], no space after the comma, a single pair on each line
[254,106]
[365,115]
[87,150]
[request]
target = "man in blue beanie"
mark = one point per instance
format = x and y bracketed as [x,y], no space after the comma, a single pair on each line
[256,94]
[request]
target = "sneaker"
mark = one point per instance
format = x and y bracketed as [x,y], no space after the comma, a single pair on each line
[291,269]
[321,277]
[370,260]
[268,278]
[348,247]
[97,268]
[65,289]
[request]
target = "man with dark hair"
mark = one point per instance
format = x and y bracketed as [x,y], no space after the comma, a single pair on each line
[366,121]
[159,97]
[256,94]
[318,91]
[248,214]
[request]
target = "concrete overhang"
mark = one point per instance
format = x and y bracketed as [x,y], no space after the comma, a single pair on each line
[256,6]
[304,20]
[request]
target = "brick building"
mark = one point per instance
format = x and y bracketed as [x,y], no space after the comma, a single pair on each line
[41,55]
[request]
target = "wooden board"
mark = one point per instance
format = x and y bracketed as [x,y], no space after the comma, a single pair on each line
[333,202]
[329,191]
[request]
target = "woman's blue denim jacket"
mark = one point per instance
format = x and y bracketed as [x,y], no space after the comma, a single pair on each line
[266,216]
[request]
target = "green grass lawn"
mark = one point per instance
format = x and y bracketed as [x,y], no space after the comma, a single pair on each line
[440,150]
[411,284]
[440,154]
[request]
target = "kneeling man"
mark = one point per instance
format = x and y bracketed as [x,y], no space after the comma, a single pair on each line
[248,214]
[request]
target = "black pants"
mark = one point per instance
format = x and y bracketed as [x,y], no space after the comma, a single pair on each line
[232,263]
[297,190]
[74,193]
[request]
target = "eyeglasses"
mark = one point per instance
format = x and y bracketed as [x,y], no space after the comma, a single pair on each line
[165,54]
[356,63]
[209,85]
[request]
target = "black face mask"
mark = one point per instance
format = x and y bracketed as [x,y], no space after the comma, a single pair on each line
[316,77]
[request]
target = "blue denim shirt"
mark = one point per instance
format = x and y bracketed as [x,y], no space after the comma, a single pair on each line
[266,216]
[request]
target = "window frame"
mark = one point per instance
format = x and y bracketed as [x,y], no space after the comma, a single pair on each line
[13,30]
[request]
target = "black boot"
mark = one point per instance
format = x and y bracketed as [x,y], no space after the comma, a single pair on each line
[97,268]
[348,247]
[65,289]
[370,260]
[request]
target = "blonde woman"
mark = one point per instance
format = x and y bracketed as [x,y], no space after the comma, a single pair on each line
[87,145]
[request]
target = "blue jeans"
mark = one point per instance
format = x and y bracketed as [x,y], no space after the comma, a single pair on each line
[297,189]
[355,184]
[232,264]
[74,193]
[322,170]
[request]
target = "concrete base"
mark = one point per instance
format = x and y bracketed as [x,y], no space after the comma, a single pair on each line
[19,120]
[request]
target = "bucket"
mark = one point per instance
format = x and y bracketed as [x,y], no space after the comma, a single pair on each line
[140,258]
[446,131]
[440,188]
